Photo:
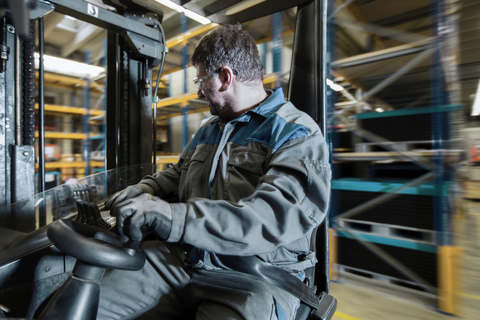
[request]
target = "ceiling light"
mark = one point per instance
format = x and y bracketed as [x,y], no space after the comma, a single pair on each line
[334,86]
[69,67]
[197,17]
[379,110]
[476,103]
[192,15]
[171,5]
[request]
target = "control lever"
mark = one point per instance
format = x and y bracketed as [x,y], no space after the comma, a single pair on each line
[88,213]
[81,214]
[97,217]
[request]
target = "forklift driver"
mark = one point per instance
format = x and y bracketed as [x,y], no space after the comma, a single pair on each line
[245,196]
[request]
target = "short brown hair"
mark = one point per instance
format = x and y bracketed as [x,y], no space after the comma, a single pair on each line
[232,46]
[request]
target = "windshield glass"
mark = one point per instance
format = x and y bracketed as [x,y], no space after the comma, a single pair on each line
[29,214]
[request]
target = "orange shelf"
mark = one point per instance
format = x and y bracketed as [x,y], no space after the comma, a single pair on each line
[56,109]
[74,164]
[66,135]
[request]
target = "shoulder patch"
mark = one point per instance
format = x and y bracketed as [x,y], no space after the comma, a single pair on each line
[207,134]
[275,131]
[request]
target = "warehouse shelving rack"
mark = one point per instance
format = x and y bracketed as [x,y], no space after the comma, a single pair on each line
[394,228]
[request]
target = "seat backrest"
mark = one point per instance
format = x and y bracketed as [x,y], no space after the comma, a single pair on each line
[316,277]
[321,273]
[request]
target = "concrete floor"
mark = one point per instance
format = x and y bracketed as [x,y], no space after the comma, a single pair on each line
[363,300]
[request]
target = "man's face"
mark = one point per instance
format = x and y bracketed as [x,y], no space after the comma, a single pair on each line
[210,90]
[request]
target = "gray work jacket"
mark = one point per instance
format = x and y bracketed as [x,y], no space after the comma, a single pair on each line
[256,185]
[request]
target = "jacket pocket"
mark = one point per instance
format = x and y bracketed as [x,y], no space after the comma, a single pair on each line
[319,185]
[244,170]
[251,160]
[194,175]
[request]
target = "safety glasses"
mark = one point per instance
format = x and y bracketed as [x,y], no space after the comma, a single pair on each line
[198,81]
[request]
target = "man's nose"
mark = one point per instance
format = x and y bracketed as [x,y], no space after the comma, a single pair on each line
[200,93]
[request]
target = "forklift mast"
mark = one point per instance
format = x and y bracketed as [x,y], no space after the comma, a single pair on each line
[135,46]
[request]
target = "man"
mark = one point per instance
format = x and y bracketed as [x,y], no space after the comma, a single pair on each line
[252,183]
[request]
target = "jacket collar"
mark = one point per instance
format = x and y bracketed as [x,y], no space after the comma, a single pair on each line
[266,109]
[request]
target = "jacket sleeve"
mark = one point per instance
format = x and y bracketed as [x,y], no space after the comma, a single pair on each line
[165,183]
[290,200]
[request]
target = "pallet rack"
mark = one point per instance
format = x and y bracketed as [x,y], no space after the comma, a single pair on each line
[393,172]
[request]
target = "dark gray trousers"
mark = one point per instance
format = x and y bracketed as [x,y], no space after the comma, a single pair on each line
[166,288]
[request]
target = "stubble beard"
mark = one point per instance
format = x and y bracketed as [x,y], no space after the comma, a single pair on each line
[222,108]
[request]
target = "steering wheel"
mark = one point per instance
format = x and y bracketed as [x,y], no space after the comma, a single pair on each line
[94,246]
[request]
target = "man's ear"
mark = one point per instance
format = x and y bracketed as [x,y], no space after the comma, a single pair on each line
[227,77]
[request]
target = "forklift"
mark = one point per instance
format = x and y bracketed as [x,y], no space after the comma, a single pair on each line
[36,258]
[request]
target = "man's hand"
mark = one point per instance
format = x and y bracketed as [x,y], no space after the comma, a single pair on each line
[127,193]
[143,213]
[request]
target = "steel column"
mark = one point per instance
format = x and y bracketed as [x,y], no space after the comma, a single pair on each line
[86,117]
[129,107]
[7,103]
[112,129]
[323,239]
[277,46]
[307,91]
[438,99]
[18,90]
[17,162]
[185,138]
[42,218]
[104,107]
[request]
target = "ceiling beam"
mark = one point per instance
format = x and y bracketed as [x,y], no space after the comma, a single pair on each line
[83,36]
[51,21]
